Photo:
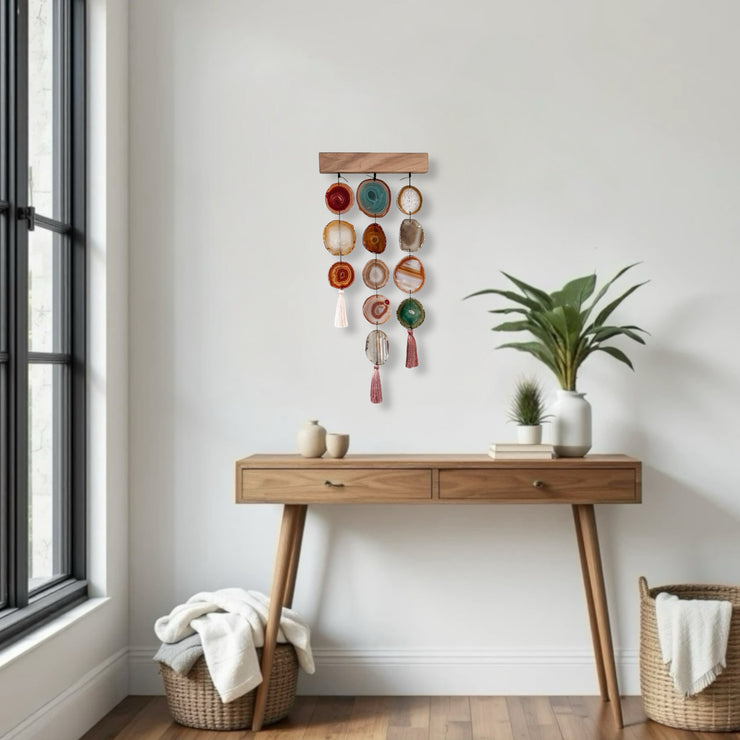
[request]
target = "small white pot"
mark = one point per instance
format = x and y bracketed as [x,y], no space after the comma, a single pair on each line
[529,435]
[312,439]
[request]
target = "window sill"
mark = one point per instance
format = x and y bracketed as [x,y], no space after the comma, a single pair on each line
[27,643]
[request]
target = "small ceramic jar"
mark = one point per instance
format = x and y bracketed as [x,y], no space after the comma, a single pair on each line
[312,439]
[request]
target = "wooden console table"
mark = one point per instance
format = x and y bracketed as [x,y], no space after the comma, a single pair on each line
[295,482]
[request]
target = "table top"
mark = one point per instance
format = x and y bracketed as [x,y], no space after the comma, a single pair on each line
[432,460]
[434,478]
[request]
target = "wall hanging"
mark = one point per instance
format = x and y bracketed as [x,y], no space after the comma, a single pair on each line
[374,199]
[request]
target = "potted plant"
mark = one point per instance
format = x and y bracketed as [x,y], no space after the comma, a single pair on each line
[566,328]
[527,409]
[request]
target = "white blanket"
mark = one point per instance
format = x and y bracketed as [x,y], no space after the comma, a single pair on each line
[231,624]
[693,639]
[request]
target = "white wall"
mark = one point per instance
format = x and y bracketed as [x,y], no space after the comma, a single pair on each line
[563,138]
[80,671]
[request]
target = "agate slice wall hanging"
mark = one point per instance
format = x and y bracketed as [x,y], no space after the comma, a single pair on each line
[374,198]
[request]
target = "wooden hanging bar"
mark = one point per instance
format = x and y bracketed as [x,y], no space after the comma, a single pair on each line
[366,162]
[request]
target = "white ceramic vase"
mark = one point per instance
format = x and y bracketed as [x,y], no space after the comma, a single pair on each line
[571,424]
[312,439]
[529,435]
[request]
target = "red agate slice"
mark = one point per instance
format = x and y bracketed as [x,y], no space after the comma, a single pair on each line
[373,239]
[341,275]
[376,309]
[339,198]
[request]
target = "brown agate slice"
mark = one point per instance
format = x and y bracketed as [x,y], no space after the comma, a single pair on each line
[375,274]
[376,309]
[341,275]
[409,275]
[409,199]
[339,198]
[411,235]
[339,237]
[373,239]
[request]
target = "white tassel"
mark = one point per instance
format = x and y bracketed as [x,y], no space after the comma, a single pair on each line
[340,317]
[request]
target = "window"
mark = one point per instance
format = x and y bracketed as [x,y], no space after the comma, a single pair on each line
[42,311]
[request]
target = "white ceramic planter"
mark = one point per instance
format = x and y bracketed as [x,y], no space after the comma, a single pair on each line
[571,424]
[312,439]
[529,435]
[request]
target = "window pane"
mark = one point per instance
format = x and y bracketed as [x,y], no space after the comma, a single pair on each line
[46,413]
[46,108]
[47,297]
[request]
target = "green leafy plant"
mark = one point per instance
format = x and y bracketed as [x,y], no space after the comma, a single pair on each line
[567,328]
[527,404]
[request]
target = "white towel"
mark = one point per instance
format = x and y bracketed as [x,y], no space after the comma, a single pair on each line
[693,639]
[231,624]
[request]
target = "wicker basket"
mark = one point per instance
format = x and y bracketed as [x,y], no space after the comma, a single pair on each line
[717,708]
[193,700]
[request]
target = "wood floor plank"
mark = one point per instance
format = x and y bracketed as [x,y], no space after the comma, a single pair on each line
[408,718]
[449,718]
[517,717]
[540,718]
[329,718]
[116,720]
[369,719]
[150,723]
[489,717]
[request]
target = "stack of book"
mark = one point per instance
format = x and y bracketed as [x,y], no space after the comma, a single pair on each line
[513,451]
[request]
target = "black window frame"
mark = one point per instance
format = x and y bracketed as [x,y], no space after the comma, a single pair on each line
[23,609]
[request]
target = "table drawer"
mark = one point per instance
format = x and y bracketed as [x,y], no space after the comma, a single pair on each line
[334,485]
[540,485]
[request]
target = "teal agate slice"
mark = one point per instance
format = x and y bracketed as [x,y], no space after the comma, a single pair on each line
[373,197]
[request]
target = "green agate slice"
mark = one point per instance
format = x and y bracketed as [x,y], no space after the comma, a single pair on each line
[410,313]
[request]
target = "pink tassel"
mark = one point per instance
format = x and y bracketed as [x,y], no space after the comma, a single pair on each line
[412,358]
[340,316]
[376,392]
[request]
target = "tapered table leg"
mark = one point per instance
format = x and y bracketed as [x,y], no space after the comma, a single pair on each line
[293,516]
[591,610]
[295,554]
[593,576]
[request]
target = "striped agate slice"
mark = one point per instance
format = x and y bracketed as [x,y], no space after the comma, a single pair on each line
[409,275]
[377,347]
[339,237]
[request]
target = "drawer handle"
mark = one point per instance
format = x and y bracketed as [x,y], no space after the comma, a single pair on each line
[333,485]
[538,483]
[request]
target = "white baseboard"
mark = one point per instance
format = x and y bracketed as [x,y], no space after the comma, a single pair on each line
[398,672]
[73,712]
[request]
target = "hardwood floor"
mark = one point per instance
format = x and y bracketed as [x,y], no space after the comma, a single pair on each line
[411,718]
